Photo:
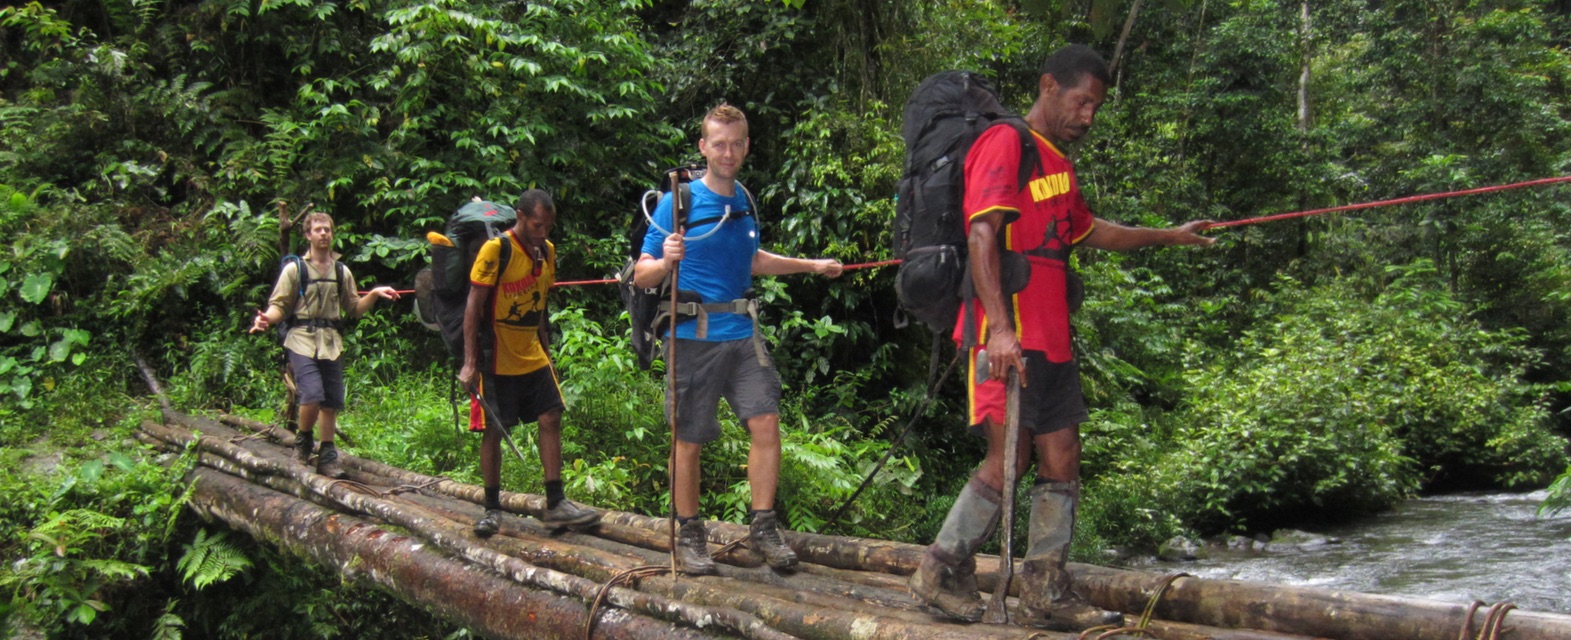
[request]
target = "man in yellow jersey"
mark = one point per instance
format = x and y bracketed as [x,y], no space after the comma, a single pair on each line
[519,383]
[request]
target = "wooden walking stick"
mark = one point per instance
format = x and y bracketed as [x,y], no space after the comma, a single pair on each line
[996,612]
[678,217]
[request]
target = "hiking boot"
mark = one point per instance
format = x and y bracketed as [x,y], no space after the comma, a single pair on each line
[765,538]
[569,514]
[489,524]
[303,447]
[327,462]
[692,550]
[950,589]
[1046,597]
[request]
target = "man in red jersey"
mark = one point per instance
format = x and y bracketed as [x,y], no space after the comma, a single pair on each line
[1028,331]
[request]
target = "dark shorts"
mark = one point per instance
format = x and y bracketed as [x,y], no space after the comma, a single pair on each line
[319,382]
[708,371]
[517,399]
[1051,400]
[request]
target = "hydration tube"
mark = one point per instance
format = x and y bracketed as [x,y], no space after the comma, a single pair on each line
[651,219]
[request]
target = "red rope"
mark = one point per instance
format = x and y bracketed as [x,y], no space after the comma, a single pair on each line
[1221,225]
[1383,203]
[575,283]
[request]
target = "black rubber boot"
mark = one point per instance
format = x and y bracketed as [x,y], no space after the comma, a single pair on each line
[946,578]
[1046,597]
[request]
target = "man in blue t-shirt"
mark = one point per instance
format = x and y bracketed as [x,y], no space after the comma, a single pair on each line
[721,354]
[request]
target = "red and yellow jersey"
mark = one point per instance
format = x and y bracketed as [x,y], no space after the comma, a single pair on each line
[519,306]
[1049,218]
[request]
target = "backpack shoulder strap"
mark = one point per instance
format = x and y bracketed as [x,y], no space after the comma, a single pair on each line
[684,193]
[1030,157]
[752,205]
[302,277]
[342,270]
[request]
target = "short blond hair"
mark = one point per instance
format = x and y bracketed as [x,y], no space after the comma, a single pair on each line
[723,113]
[315,217]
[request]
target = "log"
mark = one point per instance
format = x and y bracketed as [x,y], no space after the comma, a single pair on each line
[1273,609]
[456,539]
[721,594]
[409,568]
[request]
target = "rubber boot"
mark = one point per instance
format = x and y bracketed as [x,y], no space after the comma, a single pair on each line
[1046,597]
[946,578]
[692,549]
[765,539]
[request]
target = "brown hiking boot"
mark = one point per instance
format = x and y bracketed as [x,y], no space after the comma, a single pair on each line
[303,448]
[950,589]
[692,550]
[327,462]
[765,538]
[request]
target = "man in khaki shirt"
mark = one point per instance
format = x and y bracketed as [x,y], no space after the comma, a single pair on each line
[313,342]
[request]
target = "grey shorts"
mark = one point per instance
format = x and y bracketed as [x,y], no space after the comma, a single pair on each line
[319,382]
[708,371]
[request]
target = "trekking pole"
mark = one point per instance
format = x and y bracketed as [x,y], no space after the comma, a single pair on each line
[996,612]
[678,217]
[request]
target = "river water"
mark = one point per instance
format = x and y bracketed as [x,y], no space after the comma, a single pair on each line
[1453,548]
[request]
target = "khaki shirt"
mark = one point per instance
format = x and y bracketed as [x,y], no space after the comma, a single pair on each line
[322,343]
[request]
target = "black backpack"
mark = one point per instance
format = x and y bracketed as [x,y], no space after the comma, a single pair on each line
[648,320]
[947,112]
[442,289]
[304,280]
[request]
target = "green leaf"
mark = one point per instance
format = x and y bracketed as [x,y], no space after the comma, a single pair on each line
[7,319]
[36,287]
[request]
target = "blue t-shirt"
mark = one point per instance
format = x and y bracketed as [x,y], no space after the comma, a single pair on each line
[718,268]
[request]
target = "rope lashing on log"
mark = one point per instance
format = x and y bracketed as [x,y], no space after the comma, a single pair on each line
[1142,626]
[1494,621]
[645,571]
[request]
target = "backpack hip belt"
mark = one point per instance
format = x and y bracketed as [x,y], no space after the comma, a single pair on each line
[701,311]
[316,323]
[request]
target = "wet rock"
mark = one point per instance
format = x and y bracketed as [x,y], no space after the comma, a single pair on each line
[1303,540]
[42,465]
[1179,548]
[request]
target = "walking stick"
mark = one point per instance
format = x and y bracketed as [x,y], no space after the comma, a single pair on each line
[996,612]
[678,218]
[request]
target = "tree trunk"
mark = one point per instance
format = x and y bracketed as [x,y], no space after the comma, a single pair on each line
[409,568]
[845,580]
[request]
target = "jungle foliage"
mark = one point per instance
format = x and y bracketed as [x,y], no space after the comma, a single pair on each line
[1316,368]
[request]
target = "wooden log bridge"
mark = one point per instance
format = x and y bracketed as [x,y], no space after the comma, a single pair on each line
[409,534]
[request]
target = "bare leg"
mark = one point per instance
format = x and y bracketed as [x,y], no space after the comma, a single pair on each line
[491,457]
[687,476]
[550,444]
[763,459]
[329,420]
